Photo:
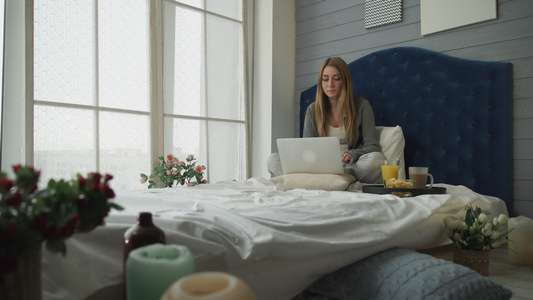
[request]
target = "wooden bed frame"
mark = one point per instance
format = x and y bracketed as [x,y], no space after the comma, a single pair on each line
[456,114]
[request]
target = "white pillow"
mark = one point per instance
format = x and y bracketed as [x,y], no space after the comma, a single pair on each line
[392,145]
[328,182]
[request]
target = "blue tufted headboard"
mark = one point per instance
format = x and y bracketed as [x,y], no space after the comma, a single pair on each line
[456,114]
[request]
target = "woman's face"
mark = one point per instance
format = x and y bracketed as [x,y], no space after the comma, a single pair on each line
[331,82]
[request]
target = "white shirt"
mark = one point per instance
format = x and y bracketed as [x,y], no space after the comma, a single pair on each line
[339,132]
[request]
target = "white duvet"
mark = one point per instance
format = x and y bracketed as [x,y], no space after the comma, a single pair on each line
[278,242]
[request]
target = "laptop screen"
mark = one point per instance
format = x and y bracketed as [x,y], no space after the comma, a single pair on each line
[317,155]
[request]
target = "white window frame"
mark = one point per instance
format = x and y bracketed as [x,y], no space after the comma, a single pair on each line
[156,76]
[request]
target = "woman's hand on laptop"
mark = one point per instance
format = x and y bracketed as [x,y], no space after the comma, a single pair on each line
[347,158]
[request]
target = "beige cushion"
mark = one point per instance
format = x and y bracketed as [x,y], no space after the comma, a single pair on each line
[328,182]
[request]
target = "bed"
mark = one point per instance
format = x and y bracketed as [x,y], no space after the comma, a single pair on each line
[455,114]
[280,241]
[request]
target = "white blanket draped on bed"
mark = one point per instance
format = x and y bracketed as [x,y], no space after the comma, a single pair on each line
[278,242]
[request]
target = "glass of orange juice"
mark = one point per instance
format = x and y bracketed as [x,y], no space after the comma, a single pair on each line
[389,169]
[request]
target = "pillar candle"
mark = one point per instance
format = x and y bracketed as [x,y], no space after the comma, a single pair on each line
[529,255]
[151,269]
[209,286]
[520,237]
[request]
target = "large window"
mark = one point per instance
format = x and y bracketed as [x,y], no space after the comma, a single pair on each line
[112,92]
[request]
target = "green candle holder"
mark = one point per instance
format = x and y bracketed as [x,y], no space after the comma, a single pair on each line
[151,269]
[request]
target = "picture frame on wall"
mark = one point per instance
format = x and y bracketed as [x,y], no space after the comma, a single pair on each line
[380,13]
[438,15]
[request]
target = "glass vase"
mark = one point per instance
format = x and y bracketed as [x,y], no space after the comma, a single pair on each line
[24,281]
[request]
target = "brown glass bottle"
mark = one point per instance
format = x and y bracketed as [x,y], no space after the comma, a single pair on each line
[141,234]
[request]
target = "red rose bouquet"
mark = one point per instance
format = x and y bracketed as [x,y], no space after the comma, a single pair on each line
[30,216]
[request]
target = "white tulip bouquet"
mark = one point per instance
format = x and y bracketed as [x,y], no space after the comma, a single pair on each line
[476,232]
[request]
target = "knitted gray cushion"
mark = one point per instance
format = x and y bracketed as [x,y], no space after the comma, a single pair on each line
[404,274]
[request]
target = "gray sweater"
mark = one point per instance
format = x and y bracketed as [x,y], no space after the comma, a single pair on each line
[366,137]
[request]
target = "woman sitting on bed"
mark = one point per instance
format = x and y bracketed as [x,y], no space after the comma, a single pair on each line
[338,112]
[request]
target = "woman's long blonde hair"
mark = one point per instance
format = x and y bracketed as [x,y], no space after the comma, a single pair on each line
[346,99]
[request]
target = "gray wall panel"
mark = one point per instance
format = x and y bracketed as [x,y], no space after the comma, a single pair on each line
[527,61]
[523,129]
[523,190]
[523,149]
[524,207]
[320,8]
[523,169]
[523,88]
[523,109]
[510,51]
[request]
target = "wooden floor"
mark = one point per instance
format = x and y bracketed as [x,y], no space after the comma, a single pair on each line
[518,279]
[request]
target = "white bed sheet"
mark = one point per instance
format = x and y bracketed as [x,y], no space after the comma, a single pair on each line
[278,242]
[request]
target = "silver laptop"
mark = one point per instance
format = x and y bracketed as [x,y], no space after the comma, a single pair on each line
[318,155]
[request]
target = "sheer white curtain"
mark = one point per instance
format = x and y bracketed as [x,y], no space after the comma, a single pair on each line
[94,80]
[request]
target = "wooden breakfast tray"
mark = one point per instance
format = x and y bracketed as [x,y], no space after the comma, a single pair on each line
[379,189]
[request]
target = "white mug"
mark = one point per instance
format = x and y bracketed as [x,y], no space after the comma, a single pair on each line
[420,176]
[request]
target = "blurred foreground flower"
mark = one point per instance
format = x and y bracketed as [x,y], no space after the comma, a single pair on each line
[30,216]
